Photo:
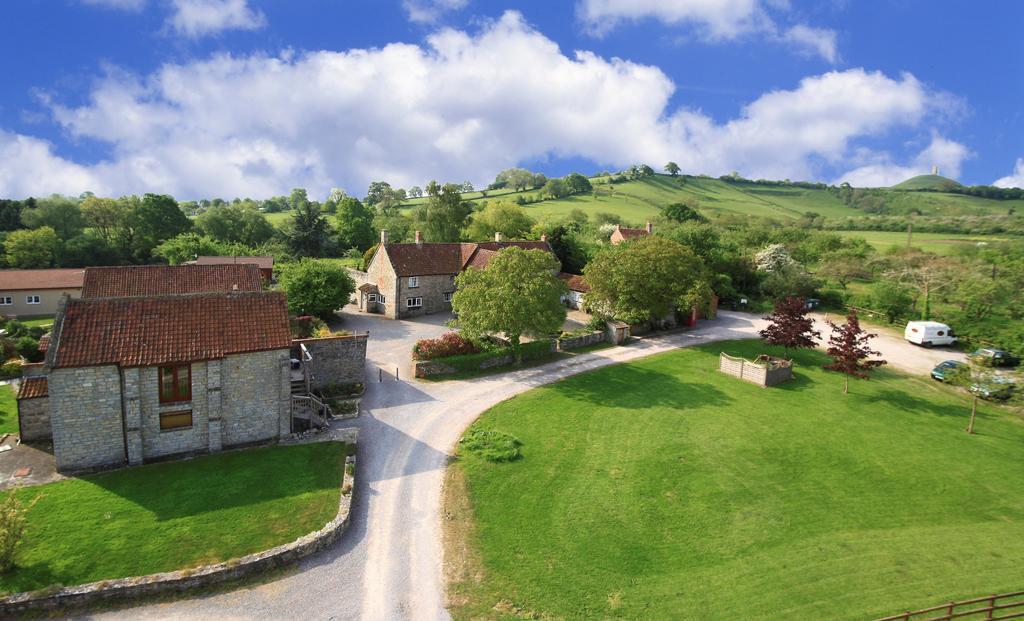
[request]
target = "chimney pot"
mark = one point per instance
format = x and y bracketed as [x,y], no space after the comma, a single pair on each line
[543,237]
[419,238]
[384,236]
[497,236]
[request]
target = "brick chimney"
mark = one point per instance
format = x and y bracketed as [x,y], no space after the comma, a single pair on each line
[497,236]
[384,236]
[419,238]
[649,227]
[618,226]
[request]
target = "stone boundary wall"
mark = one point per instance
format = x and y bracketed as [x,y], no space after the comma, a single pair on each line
[574,342]
[336,359]
[139,587]
[752,372]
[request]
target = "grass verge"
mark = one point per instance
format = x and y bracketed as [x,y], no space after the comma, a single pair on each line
[175,515]
[8,410]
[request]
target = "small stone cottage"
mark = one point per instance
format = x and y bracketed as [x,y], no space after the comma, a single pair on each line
[134,379]
[407,280]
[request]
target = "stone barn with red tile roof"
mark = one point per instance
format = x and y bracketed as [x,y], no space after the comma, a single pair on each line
[622,234]
[132,379]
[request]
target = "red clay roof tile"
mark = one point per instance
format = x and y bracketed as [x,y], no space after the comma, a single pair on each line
[33,388]
[264,263]
[133,332]
[27,280]
[137,280]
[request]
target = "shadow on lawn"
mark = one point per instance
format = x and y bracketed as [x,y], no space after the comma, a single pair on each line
[637,387]
[908,402]
[226,480]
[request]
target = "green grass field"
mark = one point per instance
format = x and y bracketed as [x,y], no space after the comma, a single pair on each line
[43,321]
[175,515]
[939,243]
[8,410]
[664,489]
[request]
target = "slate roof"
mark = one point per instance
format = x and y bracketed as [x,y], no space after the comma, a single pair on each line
[264,263]
[429,259]
[140,280]
[28,280]
[33,388]
[575,282]
[134,332]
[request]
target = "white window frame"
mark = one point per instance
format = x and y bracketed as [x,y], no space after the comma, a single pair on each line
[448,296]
[414,282]
[381,299]
[6,300]
[411,303]
[371,298]
[29,299]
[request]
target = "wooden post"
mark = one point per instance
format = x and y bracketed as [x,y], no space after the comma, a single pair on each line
[949,611]
[974,412]
[991,607]
[396,374]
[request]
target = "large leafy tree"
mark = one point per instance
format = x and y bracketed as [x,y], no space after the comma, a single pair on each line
[188,246]
[684,211]
[979,381]
[646,279]
[515,178]
[236,224]
[578,184]
[106,216]
[315,287]
[354,224]
[849,350]
[60,213]
[567,246]
[10,213]
[789,326]
[155,219]
[508,219]
[672,168]
[443,216]
[31,248]
[308,231]
[517,294]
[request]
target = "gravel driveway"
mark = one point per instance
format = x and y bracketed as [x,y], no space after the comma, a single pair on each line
[388,565]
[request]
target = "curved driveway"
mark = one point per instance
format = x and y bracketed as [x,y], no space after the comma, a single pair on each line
[388,565]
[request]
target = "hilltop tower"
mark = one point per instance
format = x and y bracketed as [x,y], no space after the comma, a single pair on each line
[935,169]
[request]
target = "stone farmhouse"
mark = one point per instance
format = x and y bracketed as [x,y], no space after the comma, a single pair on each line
[621,234]
[578,289]
[25,293]
[160,361]
[407,280]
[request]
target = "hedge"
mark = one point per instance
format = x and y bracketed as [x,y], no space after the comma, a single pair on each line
[472,362]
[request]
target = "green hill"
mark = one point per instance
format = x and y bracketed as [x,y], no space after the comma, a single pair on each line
[927,182]
[636,201]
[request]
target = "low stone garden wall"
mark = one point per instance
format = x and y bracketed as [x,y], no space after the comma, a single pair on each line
[482,361]
[582,340]
[140,587]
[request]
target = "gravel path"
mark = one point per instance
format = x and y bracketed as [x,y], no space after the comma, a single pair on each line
[388,565]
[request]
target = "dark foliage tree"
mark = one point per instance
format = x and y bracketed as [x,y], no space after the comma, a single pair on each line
[578,184]
[849,350]
[316,288]
[443,216]
[789,326]
[308,231]
[156,219]
[682,212]
[672,168]
[354,224]
[10,213]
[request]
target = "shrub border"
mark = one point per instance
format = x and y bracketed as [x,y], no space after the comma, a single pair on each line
[185,580]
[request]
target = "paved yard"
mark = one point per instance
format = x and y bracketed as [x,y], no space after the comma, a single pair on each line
[37,459]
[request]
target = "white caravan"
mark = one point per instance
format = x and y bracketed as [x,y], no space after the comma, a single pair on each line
[928,333]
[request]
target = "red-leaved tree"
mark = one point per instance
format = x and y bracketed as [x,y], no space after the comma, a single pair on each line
[789,326]
[848,347]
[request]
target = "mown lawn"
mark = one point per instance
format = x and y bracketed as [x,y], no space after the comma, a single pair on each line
[8,410]
[175,515]
[664,489]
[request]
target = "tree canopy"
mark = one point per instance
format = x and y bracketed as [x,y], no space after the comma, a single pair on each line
[517,294]
[645,280]
[789,325]
[508,219]
[849,350]
[315,287]
[443,216]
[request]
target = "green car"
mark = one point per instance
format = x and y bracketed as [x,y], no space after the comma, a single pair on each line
[945,369]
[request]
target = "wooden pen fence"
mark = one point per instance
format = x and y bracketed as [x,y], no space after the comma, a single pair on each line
[992,607]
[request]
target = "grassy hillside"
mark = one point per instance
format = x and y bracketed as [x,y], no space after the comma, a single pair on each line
[939,243]
[636,201]
[927,182]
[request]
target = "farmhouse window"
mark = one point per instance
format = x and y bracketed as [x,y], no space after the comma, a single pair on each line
[6,300]
[32,299]
[371,298]
[381,299]
[413,302]
[448,297]
[175,420]
[414,281]
[175,384]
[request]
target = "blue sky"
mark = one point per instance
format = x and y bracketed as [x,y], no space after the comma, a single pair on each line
[250,98]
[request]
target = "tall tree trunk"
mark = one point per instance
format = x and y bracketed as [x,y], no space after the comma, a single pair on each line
[974,412]
[846,385]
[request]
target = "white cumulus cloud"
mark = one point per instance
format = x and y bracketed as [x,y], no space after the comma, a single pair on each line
[714,20]
[196,18]
[881,170]
[1014,180]
[461,106]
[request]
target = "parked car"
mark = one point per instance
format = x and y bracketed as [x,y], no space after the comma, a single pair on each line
[994,358]
[1001,388]
[944,370]
[929,333]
